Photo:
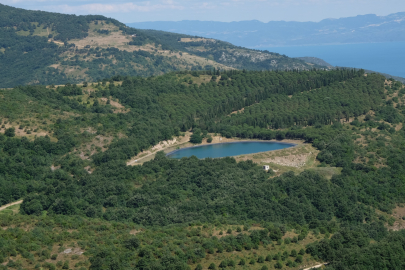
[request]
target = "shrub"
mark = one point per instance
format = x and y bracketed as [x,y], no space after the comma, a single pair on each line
[278,265]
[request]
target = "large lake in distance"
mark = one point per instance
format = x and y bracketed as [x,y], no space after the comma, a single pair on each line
[386,57]
[220,150]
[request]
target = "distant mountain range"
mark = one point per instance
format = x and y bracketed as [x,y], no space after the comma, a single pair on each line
[256,34]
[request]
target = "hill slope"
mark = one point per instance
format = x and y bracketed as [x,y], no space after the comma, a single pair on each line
[256,34]
[64,152]
[48,48]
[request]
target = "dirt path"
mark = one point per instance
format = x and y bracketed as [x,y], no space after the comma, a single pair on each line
[10,204]
[316,266]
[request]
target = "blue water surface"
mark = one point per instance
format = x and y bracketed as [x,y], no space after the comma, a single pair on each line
[388,57]
[220,150]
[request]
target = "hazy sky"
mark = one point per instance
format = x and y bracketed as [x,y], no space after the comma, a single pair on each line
[215,10]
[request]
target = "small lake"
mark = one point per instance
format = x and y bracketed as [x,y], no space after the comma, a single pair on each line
[220,150]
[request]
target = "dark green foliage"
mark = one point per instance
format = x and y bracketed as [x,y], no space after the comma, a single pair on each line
[212,266]
[10,132]
[25,165]
[223,264]
[278,265]
[132,243]
[350,249]
[172,193]
[336,101]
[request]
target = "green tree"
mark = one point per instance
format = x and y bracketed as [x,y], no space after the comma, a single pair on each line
[223,264]
[10,132]
[278,265]
[212,266]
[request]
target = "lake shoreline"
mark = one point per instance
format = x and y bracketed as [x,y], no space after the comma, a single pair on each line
[247,147]
[182,142]
[236,141]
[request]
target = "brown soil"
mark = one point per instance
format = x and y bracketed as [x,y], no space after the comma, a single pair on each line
[240,111]
[10,204]
[90,148]
[135,232]
[297,161]
[115,39]
[398,214]
[196,40]
[119,108]
[23,132]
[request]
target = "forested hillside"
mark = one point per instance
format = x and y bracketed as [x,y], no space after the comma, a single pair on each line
[65,151]
[49,48]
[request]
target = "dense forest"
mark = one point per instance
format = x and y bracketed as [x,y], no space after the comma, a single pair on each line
[211,213]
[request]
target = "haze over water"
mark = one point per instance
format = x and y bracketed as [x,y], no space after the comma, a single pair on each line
[386,57]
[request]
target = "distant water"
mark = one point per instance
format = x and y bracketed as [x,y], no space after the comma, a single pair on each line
[228,149]
[386,57]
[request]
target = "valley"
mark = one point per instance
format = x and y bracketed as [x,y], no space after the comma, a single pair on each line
[90,108]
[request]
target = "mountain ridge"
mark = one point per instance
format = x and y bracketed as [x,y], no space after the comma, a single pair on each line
[38,47]
[256,34]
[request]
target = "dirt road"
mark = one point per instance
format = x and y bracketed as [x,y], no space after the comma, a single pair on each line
[10,204]
[316,266]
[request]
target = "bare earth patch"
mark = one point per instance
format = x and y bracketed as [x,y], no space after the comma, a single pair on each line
[398,214]
[135,232]
[24,132]
[296,161]
[196,40]
[99,142]
[119,108]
